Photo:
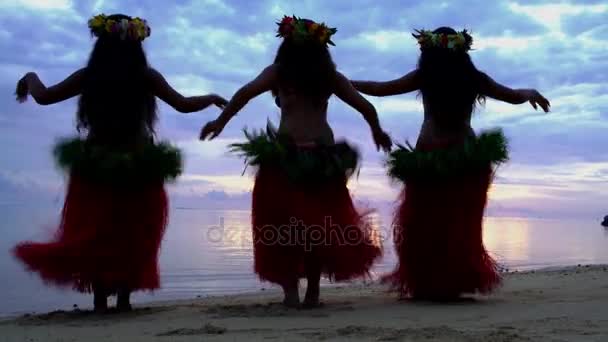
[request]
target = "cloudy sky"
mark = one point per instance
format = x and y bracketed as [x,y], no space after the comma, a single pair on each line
[559,161]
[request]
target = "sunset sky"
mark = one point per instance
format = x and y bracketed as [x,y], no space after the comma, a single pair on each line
[559,164]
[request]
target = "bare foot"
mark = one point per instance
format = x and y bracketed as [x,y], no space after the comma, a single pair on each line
[123,302]
[308,305]
[100,303]
[311,300]
[124,307]
[100,310]
[100,299]
[292,297]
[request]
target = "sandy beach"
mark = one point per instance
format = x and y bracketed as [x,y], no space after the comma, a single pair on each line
[569,304]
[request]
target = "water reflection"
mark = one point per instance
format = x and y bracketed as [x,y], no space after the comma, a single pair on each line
[533,243]
[508,241]
[220,242]
[208,252]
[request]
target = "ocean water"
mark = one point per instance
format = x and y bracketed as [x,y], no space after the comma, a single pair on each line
[209,252]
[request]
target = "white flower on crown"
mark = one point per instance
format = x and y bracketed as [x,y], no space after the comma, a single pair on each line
[124,28]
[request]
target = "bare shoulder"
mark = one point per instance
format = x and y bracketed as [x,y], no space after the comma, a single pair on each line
[483,76]
[80,72]
[488,85]
[341,82]
[265,79]
[340,76]
[154,74]
[270,72]
[272,67]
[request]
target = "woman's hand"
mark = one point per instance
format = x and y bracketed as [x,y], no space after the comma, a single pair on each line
[219,101]
[212,129]
[23,89]
[536,99]
[30,84]
[382,140]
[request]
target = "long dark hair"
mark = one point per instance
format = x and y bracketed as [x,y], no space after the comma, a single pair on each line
[449,81]
[306,67]
[116,96]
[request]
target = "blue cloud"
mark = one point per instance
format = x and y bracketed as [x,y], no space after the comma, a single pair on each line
[216,46]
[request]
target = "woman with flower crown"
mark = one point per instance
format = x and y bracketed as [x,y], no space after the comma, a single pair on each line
[115,211]
[304,221]
[438,224]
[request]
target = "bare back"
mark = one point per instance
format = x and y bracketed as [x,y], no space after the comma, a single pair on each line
[304,119]
[444,128]
[441,127]
[113,130]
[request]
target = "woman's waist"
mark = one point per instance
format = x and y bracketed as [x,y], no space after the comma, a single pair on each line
[303,160]
[436,136]
[120,142]
[307,134]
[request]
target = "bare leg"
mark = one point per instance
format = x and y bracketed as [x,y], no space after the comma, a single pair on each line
[123,301]
[313,277]
[292,296]
[100,299]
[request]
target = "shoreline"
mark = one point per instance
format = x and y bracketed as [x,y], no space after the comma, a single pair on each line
[263,289]
[551,304]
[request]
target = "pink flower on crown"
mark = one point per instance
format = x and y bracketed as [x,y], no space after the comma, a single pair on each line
[287,20]
[286,29]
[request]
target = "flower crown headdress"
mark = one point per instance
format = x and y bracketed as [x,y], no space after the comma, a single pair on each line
[461,41]
[134,29]
[305,29]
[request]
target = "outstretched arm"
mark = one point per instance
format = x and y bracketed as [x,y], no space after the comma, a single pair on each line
[345,91]
[402,85]
[31,84]
[497,91]
[264,82]
[163,90]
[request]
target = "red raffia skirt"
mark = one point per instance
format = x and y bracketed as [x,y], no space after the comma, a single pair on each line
[108,237]
[438,239]
[294,224]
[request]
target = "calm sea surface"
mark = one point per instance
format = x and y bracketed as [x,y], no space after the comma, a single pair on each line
[209,253]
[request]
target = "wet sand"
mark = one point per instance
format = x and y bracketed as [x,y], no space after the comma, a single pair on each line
[569,304]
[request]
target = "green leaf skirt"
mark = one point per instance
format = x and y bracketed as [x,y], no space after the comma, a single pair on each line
[149,163]
[490,148]
[304,165]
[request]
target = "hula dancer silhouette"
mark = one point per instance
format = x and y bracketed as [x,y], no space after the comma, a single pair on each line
[438,224]
[304,221]
[115,211]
